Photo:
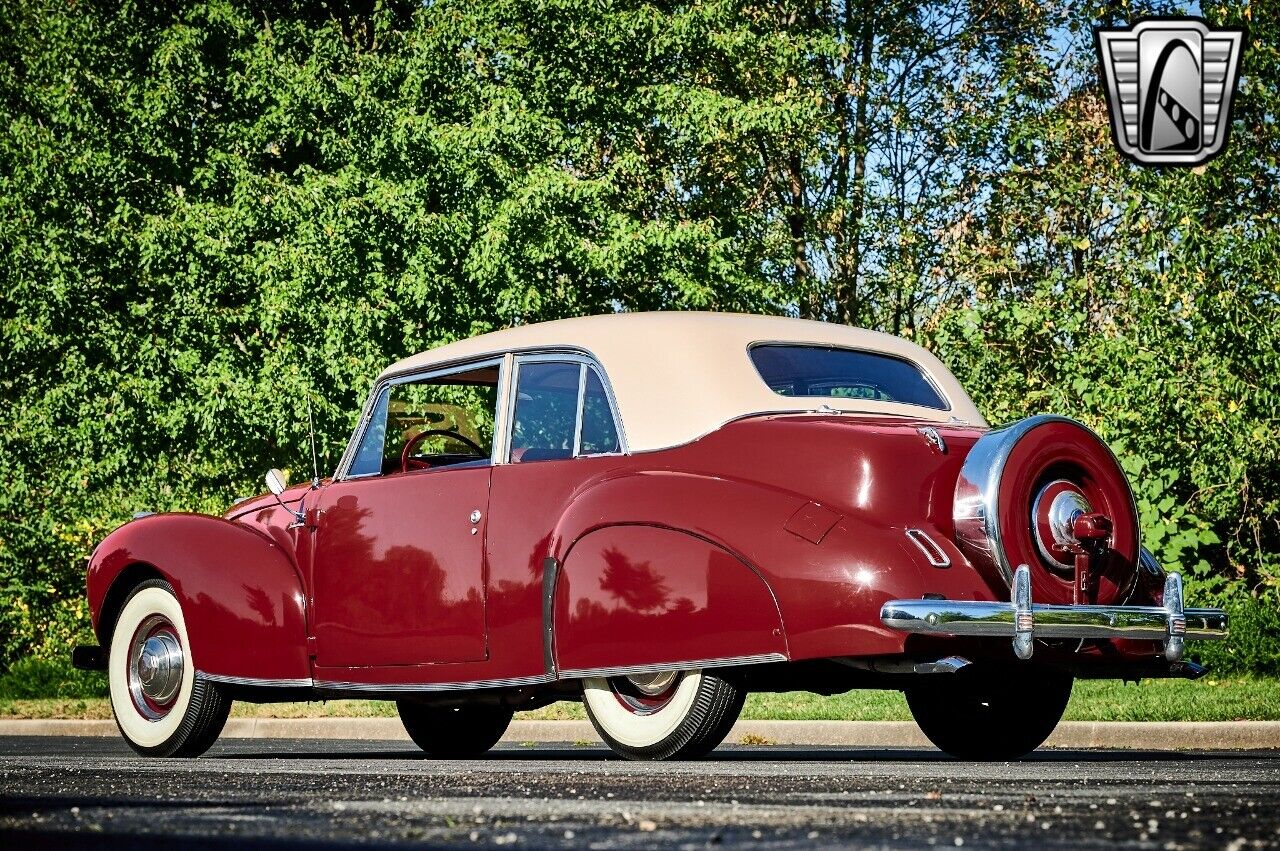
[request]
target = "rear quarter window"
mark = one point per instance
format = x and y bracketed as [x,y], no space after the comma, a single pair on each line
[797,370]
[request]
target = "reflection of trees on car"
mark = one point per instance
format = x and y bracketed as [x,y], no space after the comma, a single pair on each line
[635,584]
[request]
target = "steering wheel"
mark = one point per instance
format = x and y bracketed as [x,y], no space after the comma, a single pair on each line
[408,463]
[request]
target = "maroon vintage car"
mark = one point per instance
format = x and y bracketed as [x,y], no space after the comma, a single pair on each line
[655,514]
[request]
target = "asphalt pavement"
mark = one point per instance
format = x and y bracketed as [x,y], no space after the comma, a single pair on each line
[92,792]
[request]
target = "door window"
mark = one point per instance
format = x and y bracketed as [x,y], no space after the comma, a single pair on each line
[561,408]
[435,422]
[546,411]
[599,431]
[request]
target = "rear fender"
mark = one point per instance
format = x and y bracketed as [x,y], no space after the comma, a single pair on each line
[642,595]
[828,569]
[241,593]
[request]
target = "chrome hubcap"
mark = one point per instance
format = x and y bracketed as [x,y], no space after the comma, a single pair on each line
[653,684]
[645,694]
[155,667]
[1053,514]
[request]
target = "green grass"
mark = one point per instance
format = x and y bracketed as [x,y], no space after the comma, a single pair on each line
[1236,699]
[1210,699]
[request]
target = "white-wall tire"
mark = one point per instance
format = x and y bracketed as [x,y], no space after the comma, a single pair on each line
[687,721]
[191,712]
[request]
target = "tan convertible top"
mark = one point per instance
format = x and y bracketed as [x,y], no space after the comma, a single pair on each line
[677,376]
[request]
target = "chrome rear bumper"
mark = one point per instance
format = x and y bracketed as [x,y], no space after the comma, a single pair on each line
[1024,621]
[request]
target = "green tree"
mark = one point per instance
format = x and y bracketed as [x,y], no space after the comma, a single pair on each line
[213,212]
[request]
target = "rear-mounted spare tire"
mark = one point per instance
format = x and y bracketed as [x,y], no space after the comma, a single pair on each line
[1016,498]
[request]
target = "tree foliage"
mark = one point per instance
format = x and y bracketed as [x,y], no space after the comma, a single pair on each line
[212,212]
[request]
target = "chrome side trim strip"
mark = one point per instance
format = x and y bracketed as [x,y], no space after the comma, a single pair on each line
[261,682]
[628,670]
[511,682]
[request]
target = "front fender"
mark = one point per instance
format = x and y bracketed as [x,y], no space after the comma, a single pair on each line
[240,592]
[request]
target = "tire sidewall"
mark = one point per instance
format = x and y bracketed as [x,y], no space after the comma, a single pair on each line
[638,732]
[145,735]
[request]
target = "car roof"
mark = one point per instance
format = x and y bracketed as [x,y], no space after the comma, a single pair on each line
[679,375]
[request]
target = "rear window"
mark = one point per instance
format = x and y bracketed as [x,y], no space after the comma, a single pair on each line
[845,374]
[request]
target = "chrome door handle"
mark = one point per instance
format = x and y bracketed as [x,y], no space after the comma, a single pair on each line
[475,515]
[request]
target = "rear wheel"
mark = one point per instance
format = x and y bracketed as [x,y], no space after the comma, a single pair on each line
[160,706]
[990,716]
[454,732]
[665,715]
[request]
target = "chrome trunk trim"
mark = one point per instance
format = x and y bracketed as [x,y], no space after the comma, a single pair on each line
[1023,621]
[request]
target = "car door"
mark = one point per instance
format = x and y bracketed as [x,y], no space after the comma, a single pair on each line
[398,569]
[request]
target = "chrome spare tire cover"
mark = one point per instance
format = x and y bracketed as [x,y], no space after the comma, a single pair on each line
[1015,494]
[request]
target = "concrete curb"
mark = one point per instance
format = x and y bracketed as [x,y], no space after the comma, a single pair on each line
[1183,735]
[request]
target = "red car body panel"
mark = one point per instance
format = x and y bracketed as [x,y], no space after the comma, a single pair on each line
[396,575]
[775,535]
[241,591]
[646,595]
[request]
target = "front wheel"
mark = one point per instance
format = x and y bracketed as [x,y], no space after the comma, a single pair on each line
[454,732]
[160,706]
[990,716]
[665,715]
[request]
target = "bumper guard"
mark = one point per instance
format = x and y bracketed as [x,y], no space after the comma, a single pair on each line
[1024,621]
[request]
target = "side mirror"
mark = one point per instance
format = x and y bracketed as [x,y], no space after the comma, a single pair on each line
[277,481]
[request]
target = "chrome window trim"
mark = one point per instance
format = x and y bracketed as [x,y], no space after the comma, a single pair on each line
[577,415]
[366,411]
[506,407]
[502,454]
[623,449]
[348,457]
[795,344]
[586,361]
